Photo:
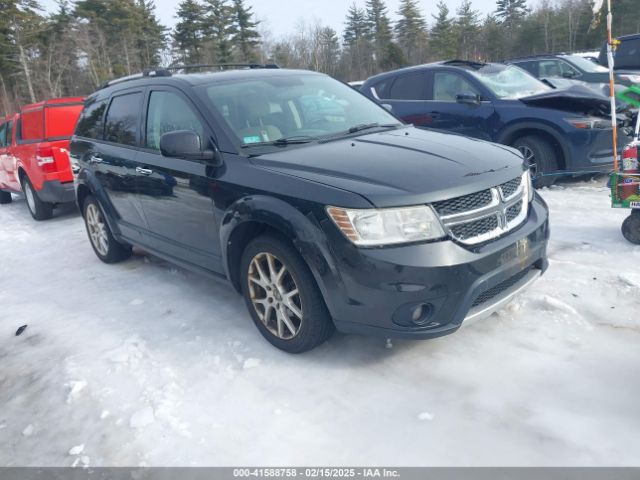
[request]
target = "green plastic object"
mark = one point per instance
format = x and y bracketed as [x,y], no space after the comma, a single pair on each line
[631,95]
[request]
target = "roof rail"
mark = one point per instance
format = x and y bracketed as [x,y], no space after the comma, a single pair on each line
[167,71]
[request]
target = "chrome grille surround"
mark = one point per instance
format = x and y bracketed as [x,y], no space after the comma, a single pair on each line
[507,209]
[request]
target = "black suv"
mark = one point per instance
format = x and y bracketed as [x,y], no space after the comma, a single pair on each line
[572,67]
[318,205]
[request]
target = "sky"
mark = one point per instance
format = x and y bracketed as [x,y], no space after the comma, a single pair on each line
[281,16]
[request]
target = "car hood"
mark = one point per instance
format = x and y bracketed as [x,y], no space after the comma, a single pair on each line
[405,166]
[575,99]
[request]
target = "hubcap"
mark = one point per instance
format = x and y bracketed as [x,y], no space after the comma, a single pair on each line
[28,193]
[97,229]
[274,295]
[530,158]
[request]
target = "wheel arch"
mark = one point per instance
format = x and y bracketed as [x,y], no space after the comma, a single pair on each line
[252,216]
[511,133]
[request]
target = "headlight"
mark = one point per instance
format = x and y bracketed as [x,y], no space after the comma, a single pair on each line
[528,185]
[387,226]
[589,123]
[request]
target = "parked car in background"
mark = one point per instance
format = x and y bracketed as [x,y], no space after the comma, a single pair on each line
[34,154]
[626,59]
[357,84]
[557,131]
[573,67]
[320,207]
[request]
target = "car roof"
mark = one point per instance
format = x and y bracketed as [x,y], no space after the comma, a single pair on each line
[633,36]
[462,64]
[193,79]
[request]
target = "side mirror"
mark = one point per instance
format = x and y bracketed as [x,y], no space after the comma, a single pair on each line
[186,144]
[468,98]
[568,74]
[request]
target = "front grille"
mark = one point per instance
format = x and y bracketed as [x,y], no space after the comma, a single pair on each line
[501,287]
[511,187]
[476,228]
[484,215]
[513,211]
[464,203]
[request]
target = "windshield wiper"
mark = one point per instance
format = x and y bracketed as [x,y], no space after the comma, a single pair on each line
[297,139]
[367,126]
[293,140]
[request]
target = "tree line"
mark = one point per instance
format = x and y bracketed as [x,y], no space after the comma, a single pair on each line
[74,49]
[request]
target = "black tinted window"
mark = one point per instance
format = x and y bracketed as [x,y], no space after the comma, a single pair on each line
[409,87]
[628,54]
[121,124]
[169,112]
[531,67]
[9,138]
[3,135]
[90,122]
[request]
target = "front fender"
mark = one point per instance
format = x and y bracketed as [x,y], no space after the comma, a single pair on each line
[304,231]
[506,135]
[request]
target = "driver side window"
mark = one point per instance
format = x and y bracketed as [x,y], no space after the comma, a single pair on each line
[169,112]
[447,85]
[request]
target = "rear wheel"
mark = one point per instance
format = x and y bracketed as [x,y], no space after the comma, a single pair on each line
[39,210]
[541,158]
[282,296]
[107,248]
[5,197]
[631,227]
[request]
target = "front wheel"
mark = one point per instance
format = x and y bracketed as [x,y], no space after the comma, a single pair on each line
[107,248]
[5,197]
[282,296]
[39,210]
[541,158]
[631,227]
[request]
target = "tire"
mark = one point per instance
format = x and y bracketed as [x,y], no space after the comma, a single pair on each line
[541,155]
[312,325]
[106,247]
[39,210]
[5,197]
[631,228]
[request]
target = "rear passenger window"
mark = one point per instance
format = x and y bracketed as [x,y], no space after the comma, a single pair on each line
[121,124]
[3,135]
[169,112]
[409,87]
[90,123]
[9,135]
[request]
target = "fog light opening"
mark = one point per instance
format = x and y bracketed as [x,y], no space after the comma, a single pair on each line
[421,313]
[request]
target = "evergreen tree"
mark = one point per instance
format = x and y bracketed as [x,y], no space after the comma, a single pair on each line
[188,33]
[356,28]
[466,30]
[443,45]
[411,31]
[511,14]
[492,39]
[152,35]
[379,30]
[218,27]
[327,55]
[246,38]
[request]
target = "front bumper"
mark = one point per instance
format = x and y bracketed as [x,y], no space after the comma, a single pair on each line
[375,291]
[592,150]
[54,191]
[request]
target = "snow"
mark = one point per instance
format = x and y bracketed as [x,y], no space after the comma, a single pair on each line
[143,363]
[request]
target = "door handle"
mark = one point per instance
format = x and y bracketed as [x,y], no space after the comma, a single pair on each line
[95,159]
[144,171]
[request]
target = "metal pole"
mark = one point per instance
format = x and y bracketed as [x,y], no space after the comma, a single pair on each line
[612,90]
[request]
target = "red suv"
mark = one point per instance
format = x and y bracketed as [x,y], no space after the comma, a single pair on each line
[34,154]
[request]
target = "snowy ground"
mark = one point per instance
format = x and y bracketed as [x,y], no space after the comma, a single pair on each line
[143,363]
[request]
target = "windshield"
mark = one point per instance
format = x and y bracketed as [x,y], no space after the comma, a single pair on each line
[300,108]
[509,82]
[586,65]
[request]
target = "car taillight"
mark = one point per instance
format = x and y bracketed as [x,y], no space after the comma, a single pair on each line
[45,159]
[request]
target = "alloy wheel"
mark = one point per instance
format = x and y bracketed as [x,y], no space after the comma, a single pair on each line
[97,230]
[275,296]
[530,158]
